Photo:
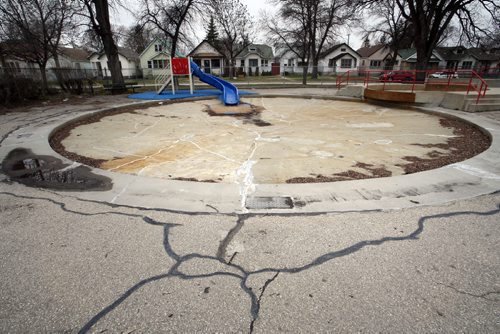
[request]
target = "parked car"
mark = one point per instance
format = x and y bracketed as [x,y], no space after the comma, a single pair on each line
[444,74]
[397,76]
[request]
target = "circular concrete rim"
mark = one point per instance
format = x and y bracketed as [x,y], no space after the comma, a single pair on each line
[470,178]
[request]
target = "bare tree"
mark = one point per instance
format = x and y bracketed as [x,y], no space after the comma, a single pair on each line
[431,18]
[36,26]
[137,38]
[288,36]
[97,12]
[235,25]
[168,18]
[388,25]
[315,22]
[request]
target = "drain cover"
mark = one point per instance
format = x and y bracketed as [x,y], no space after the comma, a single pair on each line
[269,203]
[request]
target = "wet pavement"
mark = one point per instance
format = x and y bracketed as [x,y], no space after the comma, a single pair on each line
[79,261]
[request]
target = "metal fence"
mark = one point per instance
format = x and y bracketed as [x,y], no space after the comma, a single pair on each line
[281,74]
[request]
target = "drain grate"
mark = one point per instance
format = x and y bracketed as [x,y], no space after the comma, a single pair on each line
[269,203]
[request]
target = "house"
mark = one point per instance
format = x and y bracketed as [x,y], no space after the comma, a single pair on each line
[155,57]
[74,58]
[339,58]
[456,57]
[409,59]
[129,62]
[208,58]
[255,58]
[486,59]
[461,58]
[288,60]
[378,57]
[13,55]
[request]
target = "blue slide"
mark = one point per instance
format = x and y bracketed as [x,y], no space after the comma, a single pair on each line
[230,94]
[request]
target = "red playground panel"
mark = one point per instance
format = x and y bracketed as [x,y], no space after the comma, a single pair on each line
[180,66]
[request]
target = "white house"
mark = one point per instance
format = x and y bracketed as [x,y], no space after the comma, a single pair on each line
[129,62]
[208,58]
[255,58]
[339,58]
[289,61]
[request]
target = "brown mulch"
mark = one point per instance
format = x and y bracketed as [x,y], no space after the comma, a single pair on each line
[470,141]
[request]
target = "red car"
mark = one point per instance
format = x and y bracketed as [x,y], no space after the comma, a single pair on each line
[397,76]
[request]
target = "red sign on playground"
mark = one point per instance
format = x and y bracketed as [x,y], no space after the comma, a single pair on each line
[180,66]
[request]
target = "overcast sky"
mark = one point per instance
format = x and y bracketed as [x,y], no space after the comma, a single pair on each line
[123,17]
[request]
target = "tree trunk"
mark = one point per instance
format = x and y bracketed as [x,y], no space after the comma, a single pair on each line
[424,55]
[45,86]
[314,74]
[110,48]
[59,73]
[304,74]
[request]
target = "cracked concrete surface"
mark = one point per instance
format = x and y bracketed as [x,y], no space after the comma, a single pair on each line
[76,265]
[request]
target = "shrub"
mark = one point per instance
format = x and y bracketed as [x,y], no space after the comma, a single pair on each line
[14,89]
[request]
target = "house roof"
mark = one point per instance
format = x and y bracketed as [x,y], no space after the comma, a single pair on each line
[485,55]
[407,53]
[207,54]
[366,52]
[335,47]
[450,53]
[264,51]
[74,54]
[126,52]
[340,55]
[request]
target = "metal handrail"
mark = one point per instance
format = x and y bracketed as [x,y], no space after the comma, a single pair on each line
[414,77]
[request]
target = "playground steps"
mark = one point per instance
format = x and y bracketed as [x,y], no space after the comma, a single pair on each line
[487,103]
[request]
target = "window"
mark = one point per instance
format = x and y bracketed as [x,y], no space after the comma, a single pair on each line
[150,65]
[264,62]
[253,62]
[159,63]
[252,49]
[375,63]
[242,63]
[466,65]
[290,62]
[216,63]
[158,47]
[345,63]
[343,49]
[363,62]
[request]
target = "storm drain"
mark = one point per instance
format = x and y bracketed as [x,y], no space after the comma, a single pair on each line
[269,203]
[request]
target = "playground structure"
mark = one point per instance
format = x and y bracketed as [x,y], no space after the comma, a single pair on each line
[186,67]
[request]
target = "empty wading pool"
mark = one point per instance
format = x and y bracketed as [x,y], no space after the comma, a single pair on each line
[276,140]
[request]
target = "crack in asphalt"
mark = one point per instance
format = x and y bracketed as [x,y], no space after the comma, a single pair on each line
[221,251]
[482,295]
[239,272]
[264,287]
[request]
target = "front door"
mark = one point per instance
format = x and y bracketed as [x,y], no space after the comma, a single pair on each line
[206,65]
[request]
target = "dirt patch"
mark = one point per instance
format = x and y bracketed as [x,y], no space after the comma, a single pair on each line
[249,113]
[469,141]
